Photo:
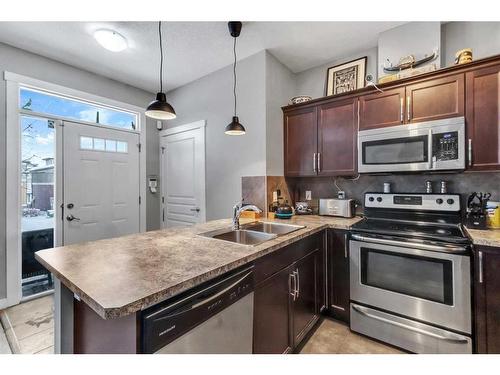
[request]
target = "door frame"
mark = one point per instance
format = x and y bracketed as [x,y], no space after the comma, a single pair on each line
[13,241]
[196,125]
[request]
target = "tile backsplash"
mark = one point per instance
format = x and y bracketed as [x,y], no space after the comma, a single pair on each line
[458,183]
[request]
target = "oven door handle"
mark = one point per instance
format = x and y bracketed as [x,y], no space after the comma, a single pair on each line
[412,245]
[448,337]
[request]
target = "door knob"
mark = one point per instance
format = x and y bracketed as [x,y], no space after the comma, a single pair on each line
[71,218]
[197,209]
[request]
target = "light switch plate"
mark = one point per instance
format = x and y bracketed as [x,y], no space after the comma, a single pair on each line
[308,195]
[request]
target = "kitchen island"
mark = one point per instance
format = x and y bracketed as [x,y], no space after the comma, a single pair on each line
[102,285]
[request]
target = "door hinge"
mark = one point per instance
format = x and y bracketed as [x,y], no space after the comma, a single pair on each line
[163,150]
[139,146]
[139,199]
[162,199]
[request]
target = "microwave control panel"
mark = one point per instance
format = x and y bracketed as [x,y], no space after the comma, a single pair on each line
[445,146]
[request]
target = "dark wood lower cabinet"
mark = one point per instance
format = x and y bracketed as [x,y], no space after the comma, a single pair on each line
[287,304]
[306,302]
[487,299]
[338,274]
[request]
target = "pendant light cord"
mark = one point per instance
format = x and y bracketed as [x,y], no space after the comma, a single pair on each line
[234,74]
[161,57]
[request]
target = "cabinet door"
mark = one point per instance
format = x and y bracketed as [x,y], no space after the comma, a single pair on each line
[483,121]
[487,299]
[301,142]
[271,322]
[337,137]
[338,274]
[435,99]
[382,109]
[306,301]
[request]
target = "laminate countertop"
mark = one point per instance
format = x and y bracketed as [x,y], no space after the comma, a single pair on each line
[120,276]
[486,237]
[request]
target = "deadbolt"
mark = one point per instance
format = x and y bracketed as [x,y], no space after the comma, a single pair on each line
[70,205]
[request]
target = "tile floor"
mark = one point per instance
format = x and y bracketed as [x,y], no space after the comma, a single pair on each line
[29,328]
[332,337]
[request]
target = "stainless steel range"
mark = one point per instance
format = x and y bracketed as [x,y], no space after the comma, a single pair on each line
[410,273]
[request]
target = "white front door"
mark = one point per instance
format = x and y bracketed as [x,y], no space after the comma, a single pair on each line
[183,175]
[100,183]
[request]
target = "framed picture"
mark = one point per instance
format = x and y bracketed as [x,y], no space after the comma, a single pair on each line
[346,77]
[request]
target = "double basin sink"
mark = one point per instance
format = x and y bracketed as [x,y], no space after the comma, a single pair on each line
[253,233]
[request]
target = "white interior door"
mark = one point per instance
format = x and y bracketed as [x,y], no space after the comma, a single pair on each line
[183,175]
[100,183]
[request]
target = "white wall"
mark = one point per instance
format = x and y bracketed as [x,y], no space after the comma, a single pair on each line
[228,158]
[280,87]
[32,65]
[482,37]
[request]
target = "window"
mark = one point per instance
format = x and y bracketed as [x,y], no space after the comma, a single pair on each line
[43,102]
[99,144]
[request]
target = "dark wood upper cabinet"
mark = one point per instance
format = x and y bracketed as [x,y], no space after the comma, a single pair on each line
[435,99]
[337,137]
[382,109]
[487,299]
[272,315]
[338,274]
[301,139]
[306,303]
[483,122]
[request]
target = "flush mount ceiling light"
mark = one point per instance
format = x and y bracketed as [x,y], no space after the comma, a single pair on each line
[159,108]
[111,40]
[235,128]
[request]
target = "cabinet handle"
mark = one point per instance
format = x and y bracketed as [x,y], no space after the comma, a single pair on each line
[293,288]
[314,163]
[298,283]
[408,116]
[346,244]
[319,161]
[401,111]
[470,152]
[480,266]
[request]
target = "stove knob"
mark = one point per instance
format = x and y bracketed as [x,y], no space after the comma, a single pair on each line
[450,201]
[379,199]
[439,201]
[371,199]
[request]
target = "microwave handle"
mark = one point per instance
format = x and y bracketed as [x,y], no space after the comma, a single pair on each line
[429,151]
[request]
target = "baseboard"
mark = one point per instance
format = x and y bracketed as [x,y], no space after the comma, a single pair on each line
[9,333]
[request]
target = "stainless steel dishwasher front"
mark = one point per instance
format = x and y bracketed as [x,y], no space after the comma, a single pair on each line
[215,318]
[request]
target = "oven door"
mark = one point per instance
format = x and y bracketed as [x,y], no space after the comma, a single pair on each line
[414,280]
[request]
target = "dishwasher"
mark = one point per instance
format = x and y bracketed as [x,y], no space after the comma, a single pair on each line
[214,318]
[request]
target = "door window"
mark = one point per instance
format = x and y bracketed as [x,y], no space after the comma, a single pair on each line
[37,200]
[417,276]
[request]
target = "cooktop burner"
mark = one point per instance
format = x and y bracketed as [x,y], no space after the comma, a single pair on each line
[446,233]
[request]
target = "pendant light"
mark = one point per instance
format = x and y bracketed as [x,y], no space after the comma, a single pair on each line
[235,128]
[159,108]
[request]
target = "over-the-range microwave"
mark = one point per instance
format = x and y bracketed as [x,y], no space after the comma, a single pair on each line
[425,146]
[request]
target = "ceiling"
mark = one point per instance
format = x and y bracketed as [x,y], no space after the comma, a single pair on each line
[193,49]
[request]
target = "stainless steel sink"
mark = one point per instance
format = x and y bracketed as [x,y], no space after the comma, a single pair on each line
[272,228]
[241,236]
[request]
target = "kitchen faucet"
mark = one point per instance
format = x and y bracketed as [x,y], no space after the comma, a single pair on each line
[238,208]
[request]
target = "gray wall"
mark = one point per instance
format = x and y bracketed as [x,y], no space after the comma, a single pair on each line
[280,87]
[482,37]
[414,38]
[228,158]
[29,64]
[312,81]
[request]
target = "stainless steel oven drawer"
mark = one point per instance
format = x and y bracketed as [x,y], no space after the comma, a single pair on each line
[407,334]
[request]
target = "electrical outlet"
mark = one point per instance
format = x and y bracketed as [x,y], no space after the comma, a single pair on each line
[308,195]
